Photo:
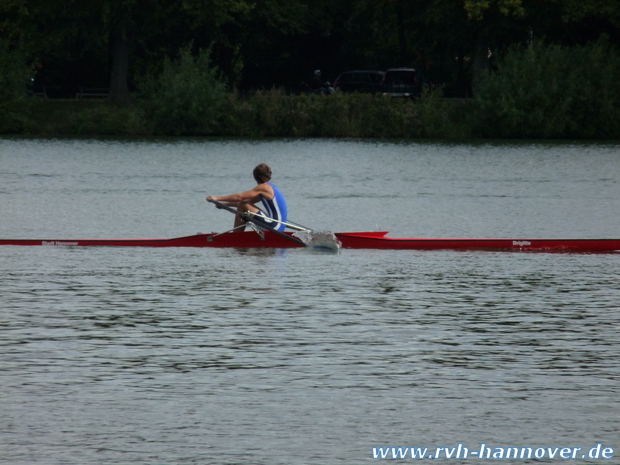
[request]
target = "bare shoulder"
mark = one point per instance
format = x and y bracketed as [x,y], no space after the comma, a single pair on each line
[266,190]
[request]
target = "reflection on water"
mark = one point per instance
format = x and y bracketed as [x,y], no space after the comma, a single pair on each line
[273,356]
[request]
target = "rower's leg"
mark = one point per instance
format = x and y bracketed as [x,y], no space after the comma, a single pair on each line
[242,208]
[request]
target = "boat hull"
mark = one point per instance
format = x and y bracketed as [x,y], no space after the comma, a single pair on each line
[362,240]
[532,245]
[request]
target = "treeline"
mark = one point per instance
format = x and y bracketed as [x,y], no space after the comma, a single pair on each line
[537,91]
[537,68]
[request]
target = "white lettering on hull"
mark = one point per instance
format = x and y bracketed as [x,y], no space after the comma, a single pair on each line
[58,243]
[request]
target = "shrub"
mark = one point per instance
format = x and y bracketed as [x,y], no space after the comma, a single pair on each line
[549,91]
[109,119]
[187,97]
[273,113]
[14,77]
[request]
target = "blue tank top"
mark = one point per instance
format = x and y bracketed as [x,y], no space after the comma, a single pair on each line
[275,208]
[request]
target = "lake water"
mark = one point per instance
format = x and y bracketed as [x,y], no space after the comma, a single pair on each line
[226,356]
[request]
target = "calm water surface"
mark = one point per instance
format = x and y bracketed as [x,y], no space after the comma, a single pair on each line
[207,356]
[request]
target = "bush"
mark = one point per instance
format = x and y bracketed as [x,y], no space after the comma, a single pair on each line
[109,119]
[273,113]
[14,78]
[187,97]
[444,118]
[549,91]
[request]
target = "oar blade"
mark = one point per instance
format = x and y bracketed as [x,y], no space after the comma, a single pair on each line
[320,240]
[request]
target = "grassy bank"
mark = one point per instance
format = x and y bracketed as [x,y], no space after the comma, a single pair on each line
[57,117]
[266,114]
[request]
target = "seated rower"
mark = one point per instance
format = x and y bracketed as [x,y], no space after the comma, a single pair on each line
[269,195]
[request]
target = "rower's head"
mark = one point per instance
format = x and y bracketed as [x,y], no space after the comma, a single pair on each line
[262,173]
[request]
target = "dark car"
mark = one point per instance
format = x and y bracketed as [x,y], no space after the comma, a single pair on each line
[402,82]
[359,81]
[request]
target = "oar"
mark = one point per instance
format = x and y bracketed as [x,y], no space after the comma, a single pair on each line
[260,224]
[315,239]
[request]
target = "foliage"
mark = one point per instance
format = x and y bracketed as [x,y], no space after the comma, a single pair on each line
[109,119]
[444,118]
[550,91]
[272,113]
[14,77]
[275,114]
[259,44]
[131,45]
[577,10]
[476,8]
[186,97]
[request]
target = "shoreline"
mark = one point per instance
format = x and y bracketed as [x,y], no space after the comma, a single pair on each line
[273,114]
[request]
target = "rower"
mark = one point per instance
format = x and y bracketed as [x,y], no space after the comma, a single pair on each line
[274,213]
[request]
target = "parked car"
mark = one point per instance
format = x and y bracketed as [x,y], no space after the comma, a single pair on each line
[359,81]
[402,82]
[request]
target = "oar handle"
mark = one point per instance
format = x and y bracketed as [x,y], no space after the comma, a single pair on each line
[225,207]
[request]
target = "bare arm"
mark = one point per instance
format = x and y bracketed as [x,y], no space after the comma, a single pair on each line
[251,196]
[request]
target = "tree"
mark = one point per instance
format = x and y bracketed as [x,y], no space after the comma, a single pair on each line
[577,10]
[261,43]
[14,74]
[478,9]
[488,16]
